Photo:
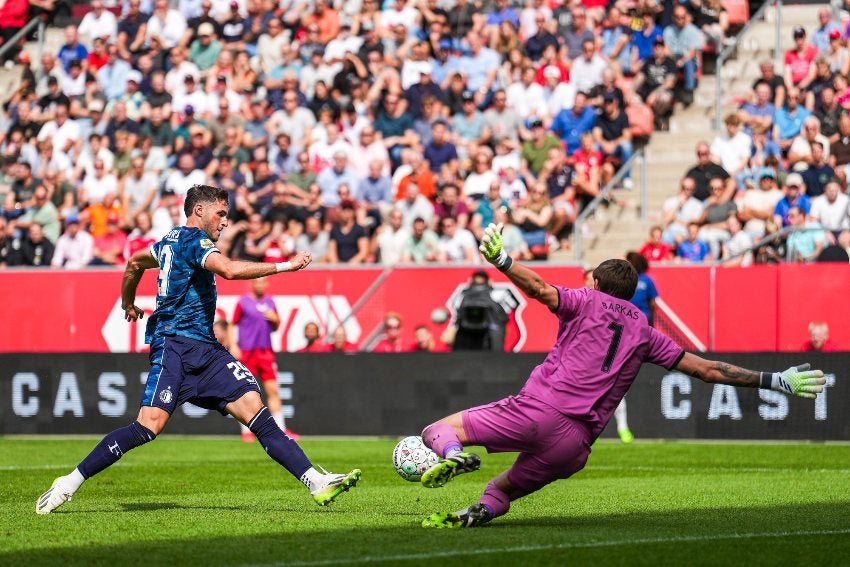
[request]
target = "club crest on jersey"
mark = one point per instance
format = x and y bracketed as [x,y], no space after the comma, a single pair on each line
[207,243]
[166,396]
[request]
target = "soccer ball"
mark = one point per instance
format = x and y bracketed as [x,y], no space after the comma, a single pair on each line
[412,458]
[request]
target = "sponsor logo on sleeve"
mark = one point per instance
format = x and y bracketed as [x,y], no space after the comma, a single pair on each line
[207,243]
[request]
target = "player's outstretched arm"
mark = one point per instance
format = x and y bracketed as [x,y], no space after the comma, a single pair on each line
[525,279]
[797,380]
[136,266]
[240,270]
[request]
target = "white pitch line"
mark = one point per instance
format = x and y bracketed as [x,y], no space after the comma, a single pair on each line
[550,547]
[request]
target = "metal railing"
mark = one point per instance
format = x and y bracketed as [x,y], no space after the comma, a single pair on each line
[24,31]
[732,47]
[638,157]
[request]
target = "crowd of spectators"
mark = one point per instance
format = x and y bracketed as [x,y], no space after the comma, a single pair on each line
[363,131]
[781,162]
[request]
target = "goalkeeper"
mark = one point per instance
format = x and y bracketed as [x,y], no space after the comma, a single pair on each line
[569,398]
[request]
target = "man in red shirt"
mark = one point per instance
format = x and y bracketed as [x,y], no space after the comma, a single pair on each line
[392,341]
[819,340]
[314,339]
[655,250]
[799,59]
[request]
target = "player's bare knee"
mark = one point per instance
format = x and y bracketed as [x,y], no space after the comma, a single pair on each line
[153,419]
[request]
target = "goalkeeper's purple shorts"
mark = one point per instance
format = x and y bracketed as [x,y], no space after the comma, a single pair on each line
[551,445]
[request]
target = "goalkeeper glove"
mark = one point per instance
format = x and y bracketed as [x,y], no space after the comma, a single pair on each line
[797,380]
[491,247]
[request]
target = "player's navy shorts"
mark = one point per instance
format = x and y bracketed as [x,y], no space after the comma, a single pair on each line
[551,445]
[261,363]
[185,370]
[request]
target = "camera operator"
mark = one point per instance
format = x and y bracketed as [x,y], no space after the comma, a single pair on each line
[480,320]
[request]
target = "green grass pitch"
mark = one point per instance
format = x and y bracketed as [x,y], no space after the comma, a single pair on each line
[188,501]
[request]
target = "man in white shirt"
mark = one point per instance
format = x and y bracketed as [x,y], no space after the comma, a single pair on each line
[733,149]
[100,22]
[63,131]
[169,25]
[74,249]
[586,72]
[526,97]
[680,210]
[457,245]
[179,180]
[294,120]
[832,208]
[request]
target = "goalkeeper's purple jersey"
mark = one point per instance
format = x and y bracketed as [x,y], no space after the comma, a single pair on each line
[602,343]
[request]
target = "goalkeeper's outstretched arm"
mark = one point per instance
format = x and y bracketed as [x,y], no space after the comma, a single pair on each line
[797,380]
[525,279]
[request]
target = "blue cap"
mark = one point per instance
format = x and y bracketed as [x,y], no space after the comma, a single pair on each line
[71,219]
[445,44]
[767,172]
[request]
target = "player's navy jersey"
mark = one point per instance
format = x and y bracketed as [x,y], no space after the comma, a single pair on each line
[186,294]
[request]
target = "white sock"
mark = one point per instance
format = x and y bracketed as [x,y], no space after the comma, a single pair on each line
[244,428]
[452,452]
[312,479]
[75,480]
[620,416]
[278,419]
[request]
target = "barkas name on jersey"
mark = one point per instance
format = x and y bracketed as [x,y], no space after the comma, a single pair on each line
[620,308]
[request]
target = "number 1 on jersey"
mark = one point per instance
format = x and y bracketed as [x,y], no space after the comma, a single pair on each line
[612,348]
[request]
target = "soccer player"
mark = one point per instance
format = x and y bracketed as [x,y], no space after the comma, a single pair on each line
[602,342]
[187,363]
[256,318]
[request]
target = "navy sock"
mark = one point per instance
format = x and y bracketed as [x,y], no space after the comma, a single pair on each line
[115,444]
[279,447]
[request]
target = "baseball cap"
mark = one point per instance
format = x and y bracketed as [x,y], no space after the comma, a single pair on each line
[799,31]
[189,109]
[189,78]
[445,44]
[536,123]
[113,218]
[834,34]
[659,40]
[467,95]
[234,5]
[95,105]
[552,71]
[794,179]
[426,69]
[24,57]
[767,172]
[206,28]
[346,204]
[609,96]
[367,25]
[72,219]
[134,76]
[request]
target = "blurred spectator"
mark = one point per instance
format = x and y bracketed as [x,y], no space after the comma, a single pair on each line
[72,49]
[732,149]
[141,236]
[422,246]
[185,175]
[613,136]
[74,249]
[819,172]
[340,342]
[655,250]
[736,250]
[109,248]
[485,212]
[313,338]
[758,204]
[449,204]
[832,209]
[314,239]
[645,292]
[99,23]
[799,58]
[680,211]
[35,250]
[807,240]
[440,151]
[561,181]
[535,151]
[713,220]
[760,111]
[586,71]
[390,239]
[414,206]
[526,97]
[711,18]
[789,119]
[480,177]
[168,214]
[392,341]
[570,124]
[576,33]
[13,17]
[348,242]
[533,218]
[251,242]
[800,151]
[819,340]
[684,41]
[795,196]
[692,249]
[705,170]
[425,341]
[331,178]
[419,174]
[456,244]
[656,82]
[43,213]
[165,25]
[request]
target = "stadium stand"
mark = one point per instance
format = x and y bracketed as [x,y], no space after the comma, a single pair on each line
[310,110]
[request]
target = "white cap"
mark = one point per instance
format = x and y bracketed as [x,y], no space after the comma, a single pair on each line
[134,76]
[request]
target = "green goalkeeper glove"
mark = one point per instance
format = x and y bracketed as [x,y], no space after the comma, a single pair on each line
[797,380]
[491,247]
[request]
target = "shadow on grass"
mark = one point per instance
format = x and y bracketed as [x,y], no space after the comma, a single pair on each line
[759,535]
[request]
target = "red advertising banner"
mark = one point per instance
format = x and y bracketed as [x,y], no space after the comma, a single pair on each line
[761,308]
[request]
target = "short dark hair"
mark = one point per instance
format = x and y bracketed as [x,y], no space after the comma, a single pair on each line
[638,261]
[203,194]
[617,278]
